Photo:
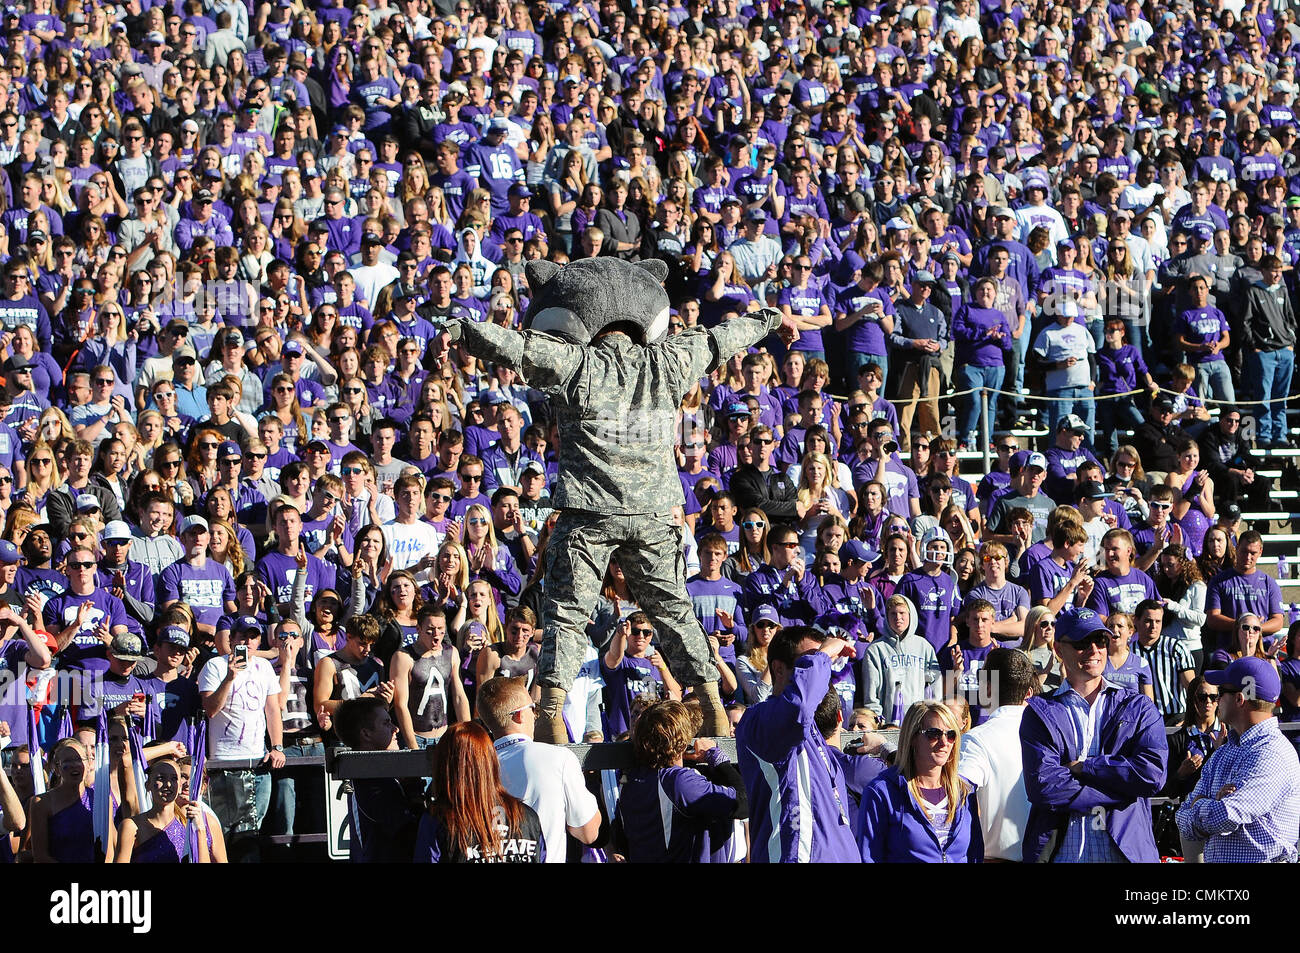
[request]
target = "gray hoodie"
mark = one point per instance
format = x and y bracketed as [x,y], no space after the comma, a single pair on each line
[897,671]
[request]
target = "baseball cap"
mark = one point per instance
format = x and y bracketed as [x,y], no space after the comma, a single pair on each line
[155,38]
[370,239]
[36,235]
[115,530]
[1003,212]
[898,225]
[229,450]
[174,635]
[737,409]
[1026,458]
[247,623]
[233,336]
[499,124]
[1072,422]
[1254,677]
[127,647]
[532,466]
[1218,114]
[520,191]
[87,501]
[756,215]
[1205,233]
[9,554]
[204,195]
[923,277]
[765,614]
[193,522]
[857,550]
[1091,490]
[979,152]
[292,347]
[1074,624]
[184,352]
[1163,402]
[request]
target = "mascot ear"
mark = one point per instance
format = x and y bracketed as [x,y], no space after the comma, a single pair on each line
[539,272]
[657,268]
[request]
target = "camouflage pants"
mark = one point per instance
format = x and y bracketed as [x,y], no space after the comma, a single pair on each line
[649,550]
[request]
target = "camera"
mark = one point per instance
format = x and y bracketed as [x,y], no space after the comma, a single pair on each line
[891,446]
[241,653]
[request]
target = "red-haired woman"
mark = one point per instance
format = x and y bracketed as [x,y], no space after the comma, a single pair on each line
[473,820]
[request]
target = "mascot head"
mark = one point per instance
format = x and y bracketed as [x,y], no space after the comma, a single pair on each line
[591,295]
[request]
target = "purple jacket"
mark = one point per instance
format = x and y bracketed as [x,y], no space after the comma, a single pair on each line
[1119,781]
[892,829]
[798,801]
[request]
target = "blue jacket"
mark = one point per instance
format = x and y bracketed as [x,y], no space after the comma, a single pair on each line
[893,830]
[1119,781]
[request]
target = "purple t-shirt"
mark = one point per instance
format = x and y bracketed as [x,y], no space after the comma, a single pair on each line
[1121,593]
[968,683]
[1046,579]
[633,677]
[1234,594]
[1005,601]
[86,652]
[278,572]
[936,599]
[1133,674]
[205,590]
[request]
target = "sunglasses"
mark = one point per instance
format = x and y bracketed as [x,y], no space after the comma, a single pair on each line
[440,497]
[80,565]
[644,633]
[1206,696]
[1094,641]
[476,521]
[351,471]
[937,734]
[471,478]
[753,524]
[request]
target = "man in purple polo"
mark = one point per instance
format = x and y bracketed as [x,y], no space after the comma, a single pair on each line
[205,586]
[1093,754]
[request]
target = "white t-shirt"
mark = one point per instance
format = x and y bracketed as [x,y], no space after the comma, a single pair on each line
[549,780]
[238,730]
[409,542]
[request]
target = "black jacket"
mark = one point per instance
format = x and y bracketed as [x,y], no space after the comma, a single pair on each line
[1215,446]
[1156,446]
[772,492]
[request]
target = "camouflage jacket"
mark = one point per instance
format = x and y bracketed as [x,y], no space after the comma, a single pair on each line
[616,404]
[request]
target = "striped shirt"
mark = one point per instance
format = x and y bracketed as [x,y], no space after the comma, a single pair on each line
[1168,659]
[1086,841]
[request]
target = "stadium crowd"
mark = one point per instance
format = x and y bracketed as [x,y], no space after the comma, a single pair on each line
[247,480]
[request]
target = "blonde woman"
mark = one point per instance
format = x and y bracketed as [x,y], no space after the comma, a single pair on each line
[920,810]
[224,548]
[436,200]
[43,474]
[819,495]
[487,559]
[1039,643]
[54,426]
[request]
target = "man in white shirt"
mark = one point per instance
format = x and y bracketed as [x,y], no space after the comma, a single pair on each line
[241,698]
[412,543]
[991,757]
[373,273]
[545,777]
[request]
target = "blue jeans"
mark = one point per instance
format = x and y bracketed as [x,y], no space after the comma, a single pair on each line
[966,377]
[240,800]
[1111,416]
[1272,369]
[305,783]
[858,360]
[1080,403]
[1019,353]
[1213,379]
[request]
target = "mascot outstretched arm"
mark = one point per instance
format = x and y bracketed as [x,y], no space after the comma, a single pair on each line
[595,342]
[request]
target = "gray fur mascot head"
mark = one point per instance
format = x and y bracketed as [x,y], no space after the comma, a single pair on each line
[588,296]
